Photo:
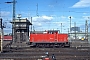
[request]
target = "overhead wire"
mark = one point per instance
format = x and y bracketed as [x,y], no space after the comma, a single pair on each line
[59,11]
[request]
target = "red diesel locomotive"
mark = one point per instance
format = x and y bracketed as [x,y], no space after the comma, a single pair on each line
[50,38]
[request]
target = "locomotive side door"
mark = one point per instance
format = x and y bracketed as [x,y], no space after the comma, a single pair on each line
[55,36]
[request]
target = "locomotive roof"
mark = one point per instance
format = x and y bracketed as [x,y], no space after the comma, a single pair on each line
[53,30]
[37,31]
[44,31]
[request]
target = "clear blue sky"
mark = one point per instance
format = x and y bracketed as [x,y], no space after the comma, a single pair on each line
[51,13]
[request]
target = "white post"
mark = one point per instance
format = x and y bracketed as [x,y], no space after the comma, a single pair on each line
[1,40]
[1,36]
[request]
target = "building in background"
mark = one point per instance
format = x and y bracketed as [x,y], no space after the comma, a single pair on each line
[75,29]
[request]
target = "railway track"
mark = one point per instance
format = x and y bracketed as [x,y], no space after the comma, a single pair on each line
[39,53]
[57,58]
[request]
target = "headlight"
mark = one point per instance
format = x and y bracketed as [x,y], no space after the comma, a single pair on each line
[82,38]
